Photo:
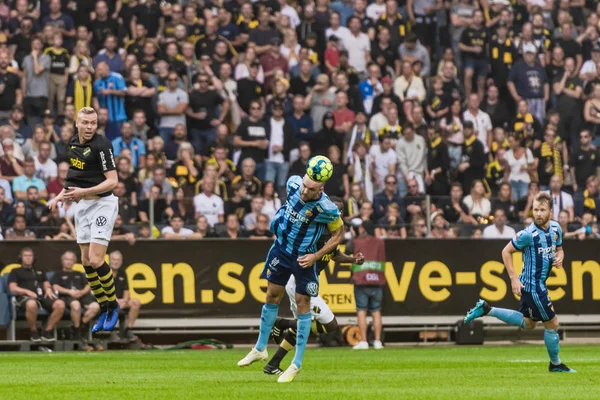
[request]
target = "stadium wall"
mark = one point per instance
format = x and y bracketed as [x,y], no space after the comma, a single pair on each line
[221,278]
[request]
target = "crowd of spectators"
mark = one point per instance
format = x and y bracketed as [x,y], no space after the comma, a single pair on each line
[211,106]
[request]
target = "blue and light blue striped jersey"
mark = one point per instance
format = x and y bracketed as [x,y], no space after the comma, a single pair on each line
[298,225]
[114,104]
[539,248]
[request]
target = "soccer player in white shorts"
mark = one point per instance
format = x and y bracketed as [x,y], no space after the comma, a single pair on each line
[91,178]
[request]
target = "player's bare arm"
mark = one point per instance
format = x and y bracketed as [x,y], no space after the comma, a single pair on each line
[75,193]
[558,257]
[507,253]
[308,260]
[342,257]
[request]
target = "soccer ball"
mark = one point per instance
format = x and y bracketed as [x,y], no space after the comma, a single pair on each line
[319,169]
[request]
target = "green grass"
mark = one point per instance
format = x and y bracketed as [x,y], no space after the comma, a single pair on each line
[490,372]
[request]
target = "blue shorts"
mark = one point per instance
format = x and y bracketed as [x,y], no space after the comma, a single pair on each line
[480,66]
[368,297]
[280,265]
[537,306]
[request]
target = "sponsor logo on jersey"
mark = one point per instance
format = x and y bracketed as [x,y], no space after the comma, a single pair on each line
[101,220]
[312,289]
[77,163]
[274,262]
[103,160]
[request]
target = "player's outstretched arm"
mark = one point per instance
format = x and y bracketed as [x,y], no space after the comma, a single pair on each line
[507,253]
[52,204]
[342,257]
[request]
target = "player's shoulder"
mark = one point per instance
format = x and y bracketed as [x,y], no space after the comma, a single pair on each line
[327,205]
[100,141]
[555,227]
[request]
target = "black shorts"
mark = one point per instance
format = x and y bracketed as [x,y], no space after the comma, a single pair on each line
[43,302]
[85,301]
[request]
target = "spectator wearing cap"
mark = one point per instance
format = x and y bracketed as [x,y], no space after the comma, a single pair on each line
[499,229]
[472,162]
[569,90]
[528,80]
[36,67]
[413,50]
[281,142]
[203,112]
[332,54]
[10,88]
[439,227]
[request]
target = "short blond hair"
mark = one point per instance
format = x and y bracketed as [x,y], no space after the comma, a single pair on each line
[86,111]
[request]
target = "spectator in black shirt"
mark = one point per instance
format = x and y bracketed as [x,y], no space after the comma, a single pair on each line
[10,88]
[262,36]
[73,289]
[584,161]
[140,93]
[203,113]
[6,209]
[569,89]
[473,42]
[160,206]
[37,211]
[505,203]
[588,200]
[238,204]
[384,55]
[252,137]
[454,209]
[301,84]
[33,291]
[472,164]
[103,25]
[438,164]
[249,90]
[413,201]
[496,108]
[569,45]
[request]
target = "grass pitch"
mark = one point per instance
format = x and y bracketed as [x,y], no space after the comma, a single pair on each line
[490,372]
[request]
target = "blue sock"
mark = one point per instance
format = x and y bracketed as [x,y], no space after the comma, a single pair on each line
[304,323]
[511,317]
[551,339]
[267,319]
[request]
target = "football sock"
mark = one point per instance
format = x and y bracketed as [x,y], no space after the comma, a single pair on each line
[288,343]
[108,283]
[511,317]
[267,319]
[316,327]
[551,339]
[96,286]
[304,323]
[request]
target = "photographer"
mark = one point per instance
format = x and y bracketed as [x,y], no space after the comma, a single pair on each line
[369,279]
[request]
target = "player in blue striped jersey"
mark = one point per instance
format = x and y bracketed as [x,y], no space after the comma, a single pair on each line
[541,244]
[298,225]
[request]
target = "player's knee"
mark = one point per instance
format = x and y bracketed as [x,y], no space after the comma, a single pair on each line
[96,260]
[552,324]
[31,305]
[94,308]
[331,326]
[274,298]
[75,306]
[529,324]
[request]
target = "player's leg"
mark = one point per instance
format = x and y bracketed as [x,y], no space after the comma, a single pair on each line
[510,317]
[132,316]
[102,217]
[304,325]
[91,310]
[281,324]
[551,337]
[375,298]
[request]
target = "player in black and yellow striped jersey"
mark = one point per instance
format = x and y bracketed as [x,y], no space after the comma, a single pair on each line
[324,321]
[494,173]
[57,83]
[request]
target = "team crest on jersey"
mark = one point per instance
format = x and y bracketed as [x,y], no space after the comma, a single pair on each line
[555,237]
[319,209]
[312,289]
[309,213]
[87,151]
